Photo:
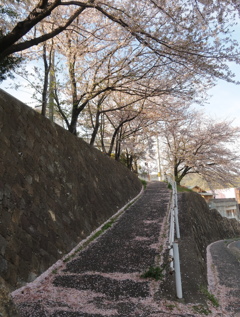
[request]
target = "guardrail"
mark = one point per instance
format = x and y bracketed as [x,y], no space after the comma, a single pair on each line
[174,233]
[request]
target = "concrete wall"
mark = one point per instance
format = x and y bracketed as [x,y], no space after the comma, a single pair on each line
[54,191]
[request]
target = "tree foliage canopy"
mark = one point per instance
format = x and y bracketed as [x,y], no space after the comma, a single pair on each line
[113,69]
[191,35]
[197,144]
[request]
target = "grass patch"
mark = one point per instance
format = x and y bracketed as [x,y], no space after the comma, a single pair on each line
[171,306]
[201,309]
[144,183]
[69,257]
[108,224]
[209,296]
[182,189]
[230,240]
[155,273]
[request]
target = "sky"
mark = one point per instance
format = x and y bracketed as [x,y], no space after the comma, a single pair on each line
[22,94]
[224,101]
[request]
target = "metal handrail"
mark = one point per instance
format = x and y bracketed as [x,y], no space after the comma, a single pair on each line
[174,231]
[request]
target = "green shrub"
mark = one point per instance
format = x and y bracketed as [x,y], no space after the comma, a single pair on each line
[144,183]
[155,273]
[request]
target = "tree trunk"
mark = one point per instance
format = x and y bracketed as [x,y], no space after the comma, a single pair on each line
[130,161]
[45,83]
[178,176]
[51,88]
[102,133]
[73,124]
[112,141]
[96,127]
[118,144]
[75,101]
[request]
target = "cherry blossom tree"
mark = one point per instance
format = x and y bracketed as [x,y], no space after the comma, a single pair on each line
[145,49]
[189,36]
[111,68]
[197,144]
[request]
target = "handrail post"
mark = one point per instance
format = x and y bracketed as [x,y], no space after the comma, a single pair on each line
[176,212]
[177,224]
[174,227]
[177,270]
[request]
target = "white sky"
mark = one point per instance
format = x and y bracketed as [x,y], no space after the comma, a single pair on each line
[224,101]
[23,94]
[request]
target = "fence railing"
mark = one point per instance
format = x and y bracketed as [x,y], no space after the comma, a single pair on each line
[174,234]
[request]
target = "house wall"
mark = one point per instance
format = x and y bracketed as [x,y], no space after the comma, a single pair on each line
[227,207]
[237,194]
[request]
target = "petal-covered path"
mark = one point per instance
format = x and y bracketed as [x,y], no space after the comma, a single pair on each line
[104,278]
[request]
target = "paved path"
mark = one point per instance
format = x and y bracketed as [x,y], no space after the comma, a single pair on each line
[224,269]
[104,279]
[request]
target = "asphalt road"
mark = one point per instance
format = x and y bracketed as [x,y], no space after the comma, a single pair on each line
[225,268]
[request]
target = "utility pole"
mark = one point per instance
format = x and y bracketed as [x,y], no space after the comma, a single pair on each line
[160,176]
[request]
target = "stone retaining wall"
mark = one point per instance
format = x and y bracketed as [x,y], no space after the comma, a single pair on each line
[199,227]
[54,191]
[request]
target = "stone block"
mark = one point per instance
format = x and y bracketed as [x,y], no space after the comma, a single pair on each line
[11,255]
[7,308]
[16,216]
[3,266]
[3,244]
[11,275]
[23,270]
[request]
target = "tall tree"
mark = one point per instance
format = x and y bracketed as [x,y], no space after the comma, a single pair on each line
[195,143]
[95,71]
